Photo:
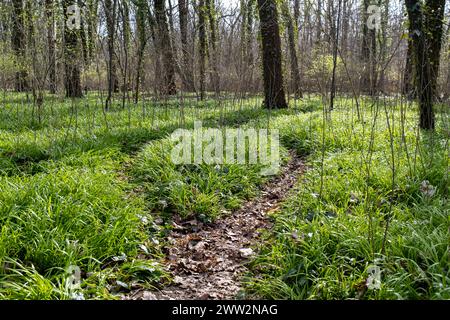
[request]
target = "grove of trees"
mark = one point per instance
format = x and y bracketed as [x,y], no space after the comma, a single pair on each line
[283,47]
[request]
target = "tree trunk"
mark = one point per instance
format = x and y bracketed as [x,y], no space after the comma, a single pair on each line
[203,46]
[19,46]
[271,46]
[165,50]
[188,81]
[295,71]
[421,63]
[214,61]
[71,54]
[141,12]
[92,7]
[110,7]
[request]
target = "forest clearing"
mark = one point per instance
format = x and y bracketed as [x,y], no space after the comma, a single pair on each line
[224,150]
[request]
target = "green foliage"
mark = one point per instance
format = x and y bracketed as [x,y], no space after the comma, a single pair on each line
[325,241]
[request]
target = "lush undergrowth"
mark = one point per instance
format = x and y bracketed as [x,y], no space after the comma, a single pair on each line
[80,187]
[66,200]
[375,196]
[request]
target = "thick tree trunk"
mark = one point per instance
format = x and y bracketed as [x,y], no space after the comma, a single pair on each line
[421,63]
[295,71]
[19,45]
[71,54]
[165,50]
[188,80]
[203,46]
[271,46]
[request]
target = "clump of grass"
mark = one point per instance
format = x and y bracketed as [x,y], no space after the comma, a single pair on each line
[200,190]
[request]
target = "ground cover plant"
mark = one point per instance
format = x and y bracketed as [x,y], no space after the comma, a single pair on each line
[224,149]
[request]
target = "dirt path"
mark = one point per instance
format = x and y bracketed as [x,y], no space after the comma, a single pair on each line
[207,261]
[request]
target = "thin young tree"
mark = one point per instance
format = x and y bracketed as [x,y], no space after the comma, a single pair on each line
[141,11]
[51,44]
[291,30]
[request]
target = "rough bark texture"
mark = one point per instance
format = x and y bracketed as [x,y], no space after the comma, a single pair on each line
[214,61]
[110,12]
[203,46]
[71,55]
[92,6]
[271,46]
[19,45]
[426,38]
[165,50]
[188,80]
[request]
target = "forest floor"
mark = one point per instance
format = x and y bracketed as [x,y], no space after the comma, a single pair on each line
[99,193]
[208,261]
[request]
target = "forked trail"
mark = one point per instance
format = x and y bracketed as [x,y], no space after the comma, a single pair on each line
[208,261]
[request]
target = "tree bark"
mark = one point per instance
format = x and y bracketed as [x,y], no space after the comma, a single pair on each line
[203,46]
[271,47]
[110,7]
[71,55]
[188,80]
[165,50]
[214,61]
[422,62]
[19,46]
[92,7]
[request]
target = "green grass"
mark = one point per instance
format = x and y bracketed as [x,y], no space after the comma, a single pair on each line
[327,235]
[81,188]
[66,199]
